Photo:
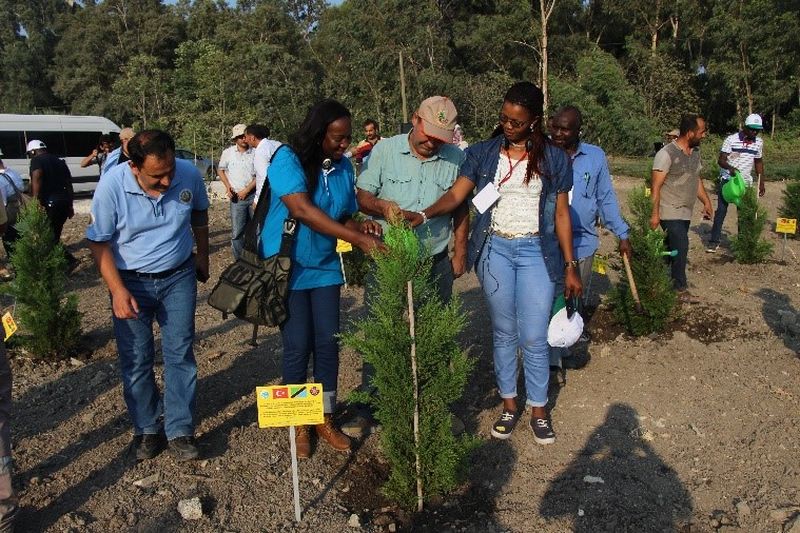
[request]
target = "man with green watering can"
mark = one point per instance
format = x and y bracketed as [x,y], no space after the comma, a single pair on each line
[676,187]
[740,152]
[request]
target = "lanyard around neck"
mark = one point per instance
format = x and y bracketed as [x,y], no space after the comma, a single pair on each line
[511,169]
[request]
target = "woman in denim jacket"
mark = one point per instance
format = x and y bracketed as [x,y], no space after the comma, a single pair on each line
[520,245]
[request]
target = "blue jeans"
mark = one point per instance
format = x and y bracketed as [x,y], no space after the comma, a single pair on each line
[171,301]
[519,292]
[719,214]
[313,326]
[677,239]
[241,213]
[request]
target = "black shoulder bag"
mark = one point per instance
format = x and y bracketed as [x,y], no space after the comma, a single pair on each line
[252,288]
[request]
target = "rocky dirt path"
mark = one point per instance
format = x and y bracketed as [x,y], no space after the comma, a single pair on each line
[693,430]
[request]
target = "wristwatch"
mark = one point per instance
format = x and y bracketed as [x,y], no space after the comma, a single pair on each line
[573,264]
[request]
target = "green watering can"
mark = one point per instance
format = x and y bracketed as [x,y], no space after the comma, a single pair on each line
[733,190]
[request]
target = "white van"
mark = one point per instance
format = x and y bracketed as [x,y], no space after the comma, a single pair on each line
[70,137]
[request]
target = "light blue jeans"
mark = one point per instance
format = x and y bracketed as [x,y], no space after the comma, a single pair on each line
[171,301]
[519,292]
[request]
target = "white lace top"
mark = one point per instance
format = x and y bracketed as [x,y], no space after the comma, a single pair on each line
[517,211]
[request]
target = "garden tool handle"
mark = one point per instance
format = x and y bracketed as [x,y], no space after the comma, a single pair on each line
[632,283]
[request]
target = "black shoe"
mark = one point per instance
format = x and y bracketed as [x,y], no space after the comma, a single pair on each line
[542,430]
[148,446]
[504,425]
[184,448]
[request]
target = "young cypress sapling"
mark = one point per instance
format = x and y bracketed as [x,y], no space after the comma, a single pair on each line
[650,272]
[748,247]
[443,368]
[48,317]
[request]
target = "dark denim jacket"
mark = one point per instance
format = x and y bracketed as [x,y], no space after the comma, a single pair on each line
[480,166]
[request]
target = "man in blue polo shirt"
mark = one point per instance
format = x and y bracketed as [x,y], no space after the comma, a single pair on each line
[144,216]
[742,151]
[592,195]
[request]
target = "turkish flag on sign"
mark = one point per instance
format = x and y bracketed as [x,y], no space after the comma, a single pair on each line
[280,393]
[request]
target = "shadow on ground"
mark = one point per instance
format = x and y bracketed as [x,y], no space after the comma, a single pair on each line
[619,483]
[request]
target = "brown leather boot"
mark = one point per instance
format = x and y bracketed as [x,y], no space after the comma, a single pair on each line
[330,434]
[302,439]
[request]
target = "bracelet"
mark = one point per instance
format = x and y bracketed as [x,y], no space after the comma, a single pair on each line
[573,264]
[424,217]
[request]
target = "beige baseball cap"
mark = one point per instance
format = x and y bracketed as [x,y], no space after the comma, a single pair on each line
[237,130]
[126,133]
[439,116]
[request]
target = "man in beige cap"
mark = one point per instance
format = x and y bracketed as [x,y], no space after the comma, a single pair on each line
[237,173]
[120,154]
[405,174]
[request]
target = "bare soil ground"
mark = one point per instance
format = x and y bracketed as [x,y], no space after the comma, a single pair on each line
[695,429]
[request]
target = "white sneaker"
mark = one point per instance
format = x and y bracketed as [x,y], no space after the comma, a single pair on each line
[712,248]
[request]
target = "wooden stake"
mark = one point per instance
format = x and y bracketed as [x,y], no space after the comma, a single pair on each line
[411,331]
[631,282]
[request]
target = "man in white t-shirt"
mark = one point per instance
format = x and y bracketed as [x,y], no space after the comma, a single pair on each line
[237,173]
[263,148]
[742,151]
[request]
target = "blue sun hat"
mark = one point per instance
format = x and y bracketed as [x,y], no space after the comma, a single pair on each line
[733,190]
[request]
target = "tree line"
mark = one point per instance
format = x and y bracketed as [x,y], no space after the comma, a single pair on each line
[197,67]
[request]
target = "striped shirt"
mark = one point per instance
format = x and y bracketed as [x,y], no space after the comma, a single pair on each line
[742,154]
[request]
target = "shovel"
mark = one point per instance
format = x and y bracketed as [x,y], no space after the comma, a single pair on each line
[632,283]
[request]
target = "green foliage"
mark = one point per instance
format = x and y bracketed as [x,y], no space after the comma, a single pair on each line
[383,339]
[632,66]
[613,110]
[641,207]
[48,317]
[650,273]
[748,247]
[791,203]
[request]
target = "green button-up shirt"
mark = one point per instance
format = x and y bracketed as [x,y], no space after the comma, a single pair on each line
[394,173]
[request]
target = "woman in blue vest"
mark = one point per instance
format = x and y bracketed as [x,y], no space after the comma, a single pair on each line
[520,245]
[314,184]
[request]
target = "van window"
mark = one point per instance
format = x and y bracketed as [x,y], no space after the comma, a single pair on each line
[80,143]
[13,144]
[52,139]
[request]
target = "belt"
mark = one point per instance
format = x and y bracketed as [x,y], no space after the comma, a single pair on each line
[505,235]
[157,275]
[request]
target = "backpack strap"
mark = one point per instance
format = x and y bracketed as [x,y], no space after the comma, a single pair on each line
[253,229]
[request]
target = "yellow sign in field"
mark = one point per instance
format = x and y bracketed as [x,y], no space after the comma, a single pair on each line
[289,405]
[599,264]
[343,246]
[9,326]
[786,225]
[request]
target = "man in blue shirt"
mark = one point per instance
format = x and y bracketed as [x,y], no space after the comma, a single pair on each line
[144,216]
[120,154]
[592,195]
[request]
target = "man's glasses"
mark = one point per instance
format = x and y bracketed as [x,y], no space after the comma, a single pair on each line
[516,124]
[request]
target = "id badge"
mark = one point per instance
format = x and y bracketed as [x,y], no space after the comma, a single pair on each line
[486,198]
